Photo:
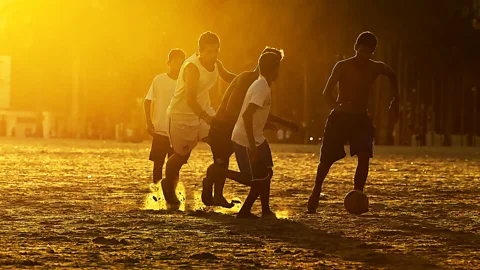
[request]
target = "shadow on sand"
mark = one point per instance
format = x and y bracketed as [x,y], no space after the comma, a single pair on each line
[322,243]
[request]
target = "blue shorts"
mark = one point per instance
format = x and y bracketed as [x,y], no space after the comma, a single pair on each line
[356,129]
[261,168]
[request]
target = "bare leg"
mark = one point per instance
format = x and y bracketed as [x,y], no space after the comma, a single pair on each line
[259,188]
[265,199]
[215,179]
[265,196]
[216,175]
[172,172]
[207,185]
[219,184]
[362,171]
[322,171]
[244,179]
[157,171]
[245,211]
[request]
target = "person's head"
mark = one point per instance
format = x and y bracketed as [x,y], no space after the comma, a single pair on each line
[276,51]
[208,47]
[176,57]
[366,45]
[268,49]
[269,65]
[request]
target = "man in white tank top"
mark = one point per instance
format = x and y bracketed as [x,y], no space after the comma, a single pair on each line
[190,112]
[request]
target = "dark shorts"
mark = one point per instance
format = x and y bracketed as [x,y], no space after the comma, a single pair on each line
[261,168]
[220,140]
[356,129]
[160,148]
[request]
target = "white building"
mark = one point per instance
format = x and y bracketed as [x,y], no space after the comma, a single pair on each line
[14,123]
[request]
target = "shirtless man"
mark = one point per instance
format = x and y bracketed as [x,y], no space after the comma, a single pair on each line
[349,119]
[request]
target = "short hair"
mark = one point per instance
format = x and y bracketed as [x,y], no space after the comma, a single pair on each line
[268,62]
[176,53]
[276,51]
[367,39]
[207,38]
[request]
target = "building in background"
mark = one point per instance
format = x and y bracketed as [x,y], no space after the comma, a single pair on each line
[83,61]
[20,123]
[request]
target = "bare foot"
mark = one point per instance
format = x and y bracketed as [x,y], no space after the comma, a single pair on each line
[169,193]
[269,214]
[223,202]
[312,204]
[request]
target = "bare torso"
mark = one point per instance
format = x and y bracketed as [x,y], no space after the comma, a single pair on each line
[355,83]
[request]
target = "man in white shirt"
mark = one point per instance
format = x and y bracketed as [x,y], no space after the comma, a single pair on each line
[160,94]
[251,149]
[190,111]
[220,136]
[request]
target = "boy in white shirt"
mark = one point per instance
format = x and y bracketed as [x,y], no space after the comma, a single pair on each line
[251,149]
[160,94]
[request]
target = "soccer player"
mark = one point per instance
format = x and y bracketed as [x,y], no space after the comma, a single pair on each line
[160,93]
[349,119]
[190,112]
[220,136]
[251,149]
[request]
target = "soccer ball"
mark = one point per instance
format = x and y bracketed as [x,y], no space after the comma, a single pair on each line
[356,202]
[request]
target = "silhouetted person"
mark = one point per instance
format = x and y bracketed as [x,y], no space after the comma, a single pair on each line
[349,119]
[220,135]
[190,112]
[160,93]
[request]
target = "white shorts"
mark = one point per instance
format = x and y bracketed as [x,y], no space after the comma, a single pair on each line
[185,132]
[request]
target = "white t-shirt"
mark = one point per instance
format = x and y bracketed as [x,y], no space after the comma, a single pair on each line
[206,81]
[258,93]
[161,92]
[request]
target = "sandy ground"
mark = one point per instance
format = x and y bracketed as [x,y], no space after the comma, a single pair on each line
[86,204]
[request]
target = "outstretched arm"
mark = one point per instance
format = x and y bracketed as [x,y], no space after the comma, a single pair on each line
[192,75]
[331,83]
[275,119]
[226,75]
[392,77]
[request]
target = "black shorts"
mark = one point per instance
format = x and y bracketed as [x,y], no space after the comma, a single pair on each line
[160,148]
[356,129]
[220,139]
[261,168]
